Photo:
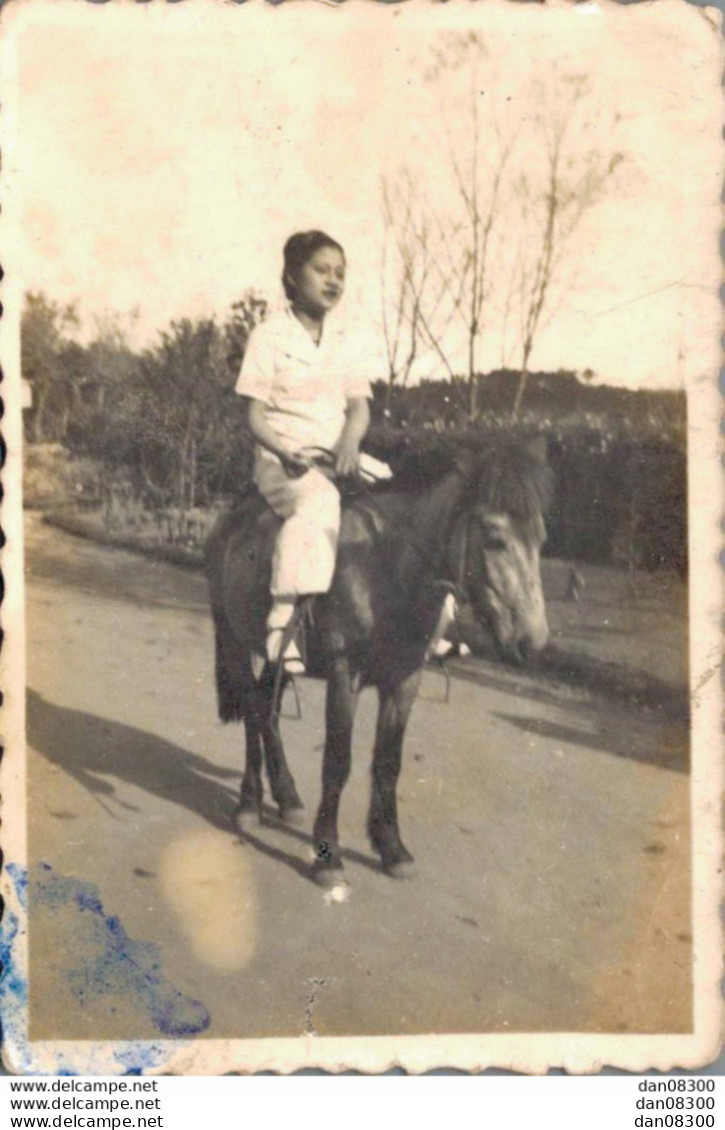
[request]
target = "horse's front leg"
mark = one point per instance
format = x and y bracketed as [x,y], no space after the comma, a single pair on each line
[244,701]
[250,799]
[342,693]
[281,781]
[395,705]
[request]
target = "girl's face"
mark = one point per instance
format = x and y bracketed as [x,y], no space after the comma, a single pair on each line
[320,282]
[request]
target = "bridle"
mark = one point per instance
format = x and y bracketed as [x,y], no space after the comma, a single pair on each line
[462,570]
[458,570]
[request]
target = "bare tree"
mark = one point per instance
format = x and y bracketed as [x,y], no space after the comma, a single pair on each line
[443,280]
[415,314]
[484,251]
[551,204]
[469,237]
[403,281]
[479,159]
[446,247]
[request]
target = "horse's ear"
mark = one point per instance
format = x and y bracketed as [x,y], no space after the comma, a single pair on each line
[538,448]
[467,462]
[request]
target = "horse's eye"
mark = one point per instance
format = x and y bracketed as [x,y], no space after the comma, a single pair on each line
[494,537]
[494,531]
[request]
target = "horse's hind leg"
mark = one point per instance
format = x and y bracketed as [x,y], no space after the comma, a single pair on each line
[395,705]
[281,781]
[237,699]
[342,692]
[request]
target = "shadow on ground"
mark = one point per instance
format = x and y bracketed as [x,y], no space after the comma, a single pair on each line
[538,681]
[670,752]
[93,749]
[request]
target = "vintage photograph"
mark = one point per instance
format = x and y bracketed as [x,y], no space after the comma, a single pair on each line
[362,494]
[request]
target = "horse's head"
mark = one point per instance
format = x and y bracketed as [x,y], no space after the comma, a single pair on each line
[497,541]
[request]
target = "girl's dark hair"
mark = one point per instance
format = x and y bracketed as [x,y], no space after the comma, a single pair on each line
[298,249]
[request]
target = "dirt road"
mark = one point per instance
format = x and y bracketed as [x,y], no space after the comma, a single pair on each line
[550,830]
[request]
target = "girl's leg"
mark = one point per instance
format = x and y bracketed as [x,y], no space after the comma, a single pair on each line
[279,617]
[305,552]
[304,558]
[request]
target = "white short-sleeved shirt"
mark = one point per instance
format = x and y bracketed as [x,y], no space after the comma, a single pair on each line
[304,386]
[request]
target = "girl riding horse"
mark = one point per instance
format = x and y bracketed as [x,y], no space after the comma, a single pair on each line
[472,526]
[306,389]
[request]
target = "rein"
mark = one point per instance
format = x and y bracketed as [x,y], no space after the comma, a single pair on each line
[457,586]
[463,558]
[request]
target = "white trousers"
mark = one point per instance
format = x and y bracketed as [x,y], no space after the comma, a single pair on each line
[304,556]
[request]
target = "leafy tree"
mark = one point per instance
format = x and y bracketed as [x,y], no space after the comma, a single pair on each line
[246,313]
[47,364]
[170,416]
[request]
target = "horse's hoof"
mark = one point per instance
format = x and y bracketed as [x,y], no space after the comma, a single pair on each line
[401,869]
[294,815]
[330,878]
[245,819]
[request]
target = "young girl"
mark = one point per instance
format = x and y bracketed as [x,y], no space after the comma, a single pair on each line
[306,389]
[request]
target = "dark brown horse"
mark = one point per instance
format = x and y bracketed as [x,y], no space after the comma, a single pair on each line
[471,526]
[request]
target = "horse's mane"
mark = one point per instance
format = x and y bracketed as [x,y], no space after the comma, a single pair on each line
[509,477]
[516,480]
[506,477]
[417,470]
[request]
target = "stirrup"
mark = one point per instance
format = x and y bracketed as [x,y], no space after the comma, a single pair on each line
[291,660]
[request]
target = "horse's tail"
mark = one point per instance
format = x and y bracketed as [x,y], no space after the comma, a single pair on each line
[234,681]
[233,663]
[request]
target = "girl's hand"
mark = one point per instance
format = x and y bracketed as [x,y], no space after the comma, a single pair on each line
[347,458]
[296,464]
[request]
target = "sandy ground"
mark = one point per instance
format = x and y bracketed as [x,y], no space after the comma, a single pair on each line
[550,828]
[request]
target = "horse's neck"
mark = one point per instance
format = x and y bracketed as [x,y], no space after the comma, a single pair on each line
[425,532]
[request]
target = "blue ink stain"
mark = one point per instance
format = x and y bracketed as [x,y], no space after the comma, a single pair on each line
[139,1057]
[133,1058]
[110,964]
[13,992]
[19,876]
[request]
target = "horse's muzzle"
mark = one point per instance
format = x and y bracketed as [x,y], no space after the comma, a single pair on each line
[525,650]
[528,651]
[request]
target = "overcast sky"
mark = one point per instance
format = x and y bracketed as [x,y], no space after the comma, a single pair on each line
[164,155]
